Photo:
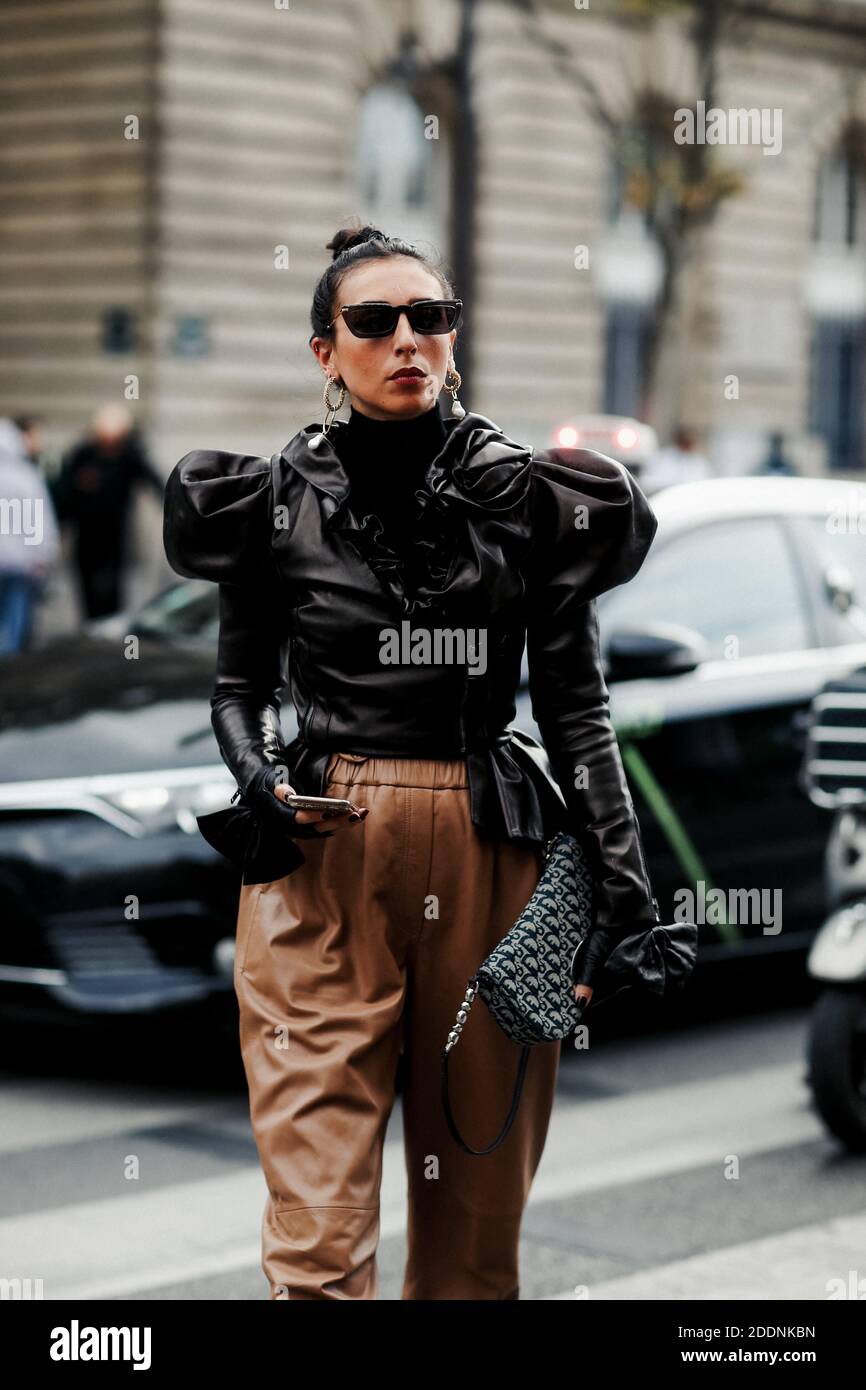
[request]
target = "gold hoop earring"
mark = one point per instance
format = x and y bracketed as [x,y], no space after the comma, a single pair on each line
[451,387]
[330,411]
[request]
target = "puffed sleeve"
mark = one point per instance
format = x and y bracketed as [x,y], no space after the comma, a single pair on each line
[217,515]
[217,525]
[592,527]
[591,519]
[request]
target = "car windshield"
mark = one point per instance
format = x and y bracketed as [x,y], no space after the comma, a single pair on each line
[189,611]
[733,582]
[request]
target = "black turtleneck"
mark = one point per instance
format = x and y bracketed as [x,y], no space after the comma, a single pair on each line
[385,461]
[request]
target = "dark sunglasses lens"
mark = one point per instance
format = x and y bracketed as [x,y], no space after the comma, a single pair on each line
[432,318]
[371,320]
[378,320]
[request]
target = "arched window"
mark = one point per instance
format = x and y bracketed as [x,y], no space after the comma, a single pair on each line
[836,294]
[403,165]
[630,262]
[840,200]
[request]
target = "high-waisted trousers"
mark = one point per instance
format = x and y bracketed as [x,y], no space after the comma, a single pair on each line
[362,953]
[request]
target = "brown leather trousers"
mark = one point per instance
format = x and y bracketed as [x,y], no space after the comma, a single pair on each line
[361,953]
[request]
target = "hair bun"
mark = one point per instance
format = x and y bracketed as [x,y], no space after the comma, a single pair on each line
[348,237]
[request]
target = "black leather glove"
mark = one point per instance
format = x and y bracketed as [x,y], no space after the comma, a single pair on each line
[591,958]
[245,703]
[657,959]
[570,701]
[259,795]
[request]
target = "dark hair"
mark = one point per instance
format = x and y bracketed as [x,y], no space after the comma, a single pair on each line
[351,246]
[27,422]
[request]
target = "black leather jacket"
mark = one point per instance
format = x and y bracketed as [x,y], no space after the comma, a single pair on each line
[518,544]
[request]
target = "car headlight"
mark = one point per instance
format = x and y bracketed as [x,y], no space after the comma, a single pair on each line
[159,801]
[138,803]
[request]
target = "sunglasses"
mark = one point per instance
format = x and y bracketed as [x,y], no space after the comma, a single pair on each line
[375,320]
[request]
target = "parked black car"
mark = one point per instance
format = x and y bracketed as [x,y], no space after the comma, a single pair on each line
[744,608]
[113,903]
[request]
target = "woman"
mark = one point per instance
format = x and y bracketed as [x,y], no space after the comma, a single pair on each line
[403,559]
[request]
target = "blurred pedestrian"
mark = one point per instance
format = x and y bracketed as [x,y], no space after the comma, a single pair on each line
[31,431]
[679,462]
[94,495]
[776,461]
[29,539]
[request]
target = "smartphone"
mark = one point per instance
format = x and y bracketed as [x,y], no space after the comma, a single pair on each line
[328,806]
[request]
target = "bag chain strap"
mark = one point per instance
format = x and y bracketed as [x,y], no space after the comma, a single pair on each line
[454,1037]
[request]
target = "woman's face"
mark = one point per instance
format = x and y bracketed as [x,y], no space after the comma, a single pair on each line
[366,366]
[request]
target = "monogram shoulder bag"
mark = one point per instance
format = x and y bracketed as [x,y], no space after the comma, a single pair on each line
[527,981]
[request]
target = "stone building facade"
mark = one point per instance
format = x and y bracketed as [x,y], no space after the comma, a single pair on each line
[171,171]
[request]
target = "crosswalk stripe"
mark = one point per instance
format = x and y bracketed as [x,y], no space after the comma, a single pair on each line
[797,1264]
[173,1234]
[620,1139]
[46,1113]
[147,1240]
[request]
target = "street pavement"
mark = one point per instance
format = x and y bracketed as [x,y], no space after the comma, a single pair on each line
[686,1164]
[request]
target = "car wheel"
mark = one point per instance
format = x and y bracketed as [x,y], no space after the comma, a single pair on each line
[837,1064]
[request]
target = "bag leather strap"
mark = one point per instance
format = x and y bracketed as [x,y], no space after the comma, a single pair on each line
[515,1101]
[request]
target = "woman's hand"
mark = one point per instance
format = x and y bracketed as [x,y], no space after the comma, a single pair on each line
[338,822]
[267,791]
[595,953]
[583,992]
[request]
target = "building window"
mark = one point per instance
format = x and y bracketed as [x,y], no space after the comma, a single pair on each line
[403,166]
[631,258]
[838,347]
[626,328]
[840,202]
[836,389]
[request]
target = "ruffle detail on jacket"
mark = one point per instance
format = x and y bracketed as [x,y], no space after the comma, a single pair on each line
[481,467]
[480,473]
[511,796]
[437,542]
[218,512]
[438,549]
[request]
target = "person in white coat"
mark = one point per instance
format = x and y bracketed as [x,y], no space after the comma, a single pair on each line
[680,462]
[29,539]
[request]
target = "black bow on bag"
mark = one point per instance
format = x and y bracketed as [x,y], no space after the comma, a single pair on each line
[527,981]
